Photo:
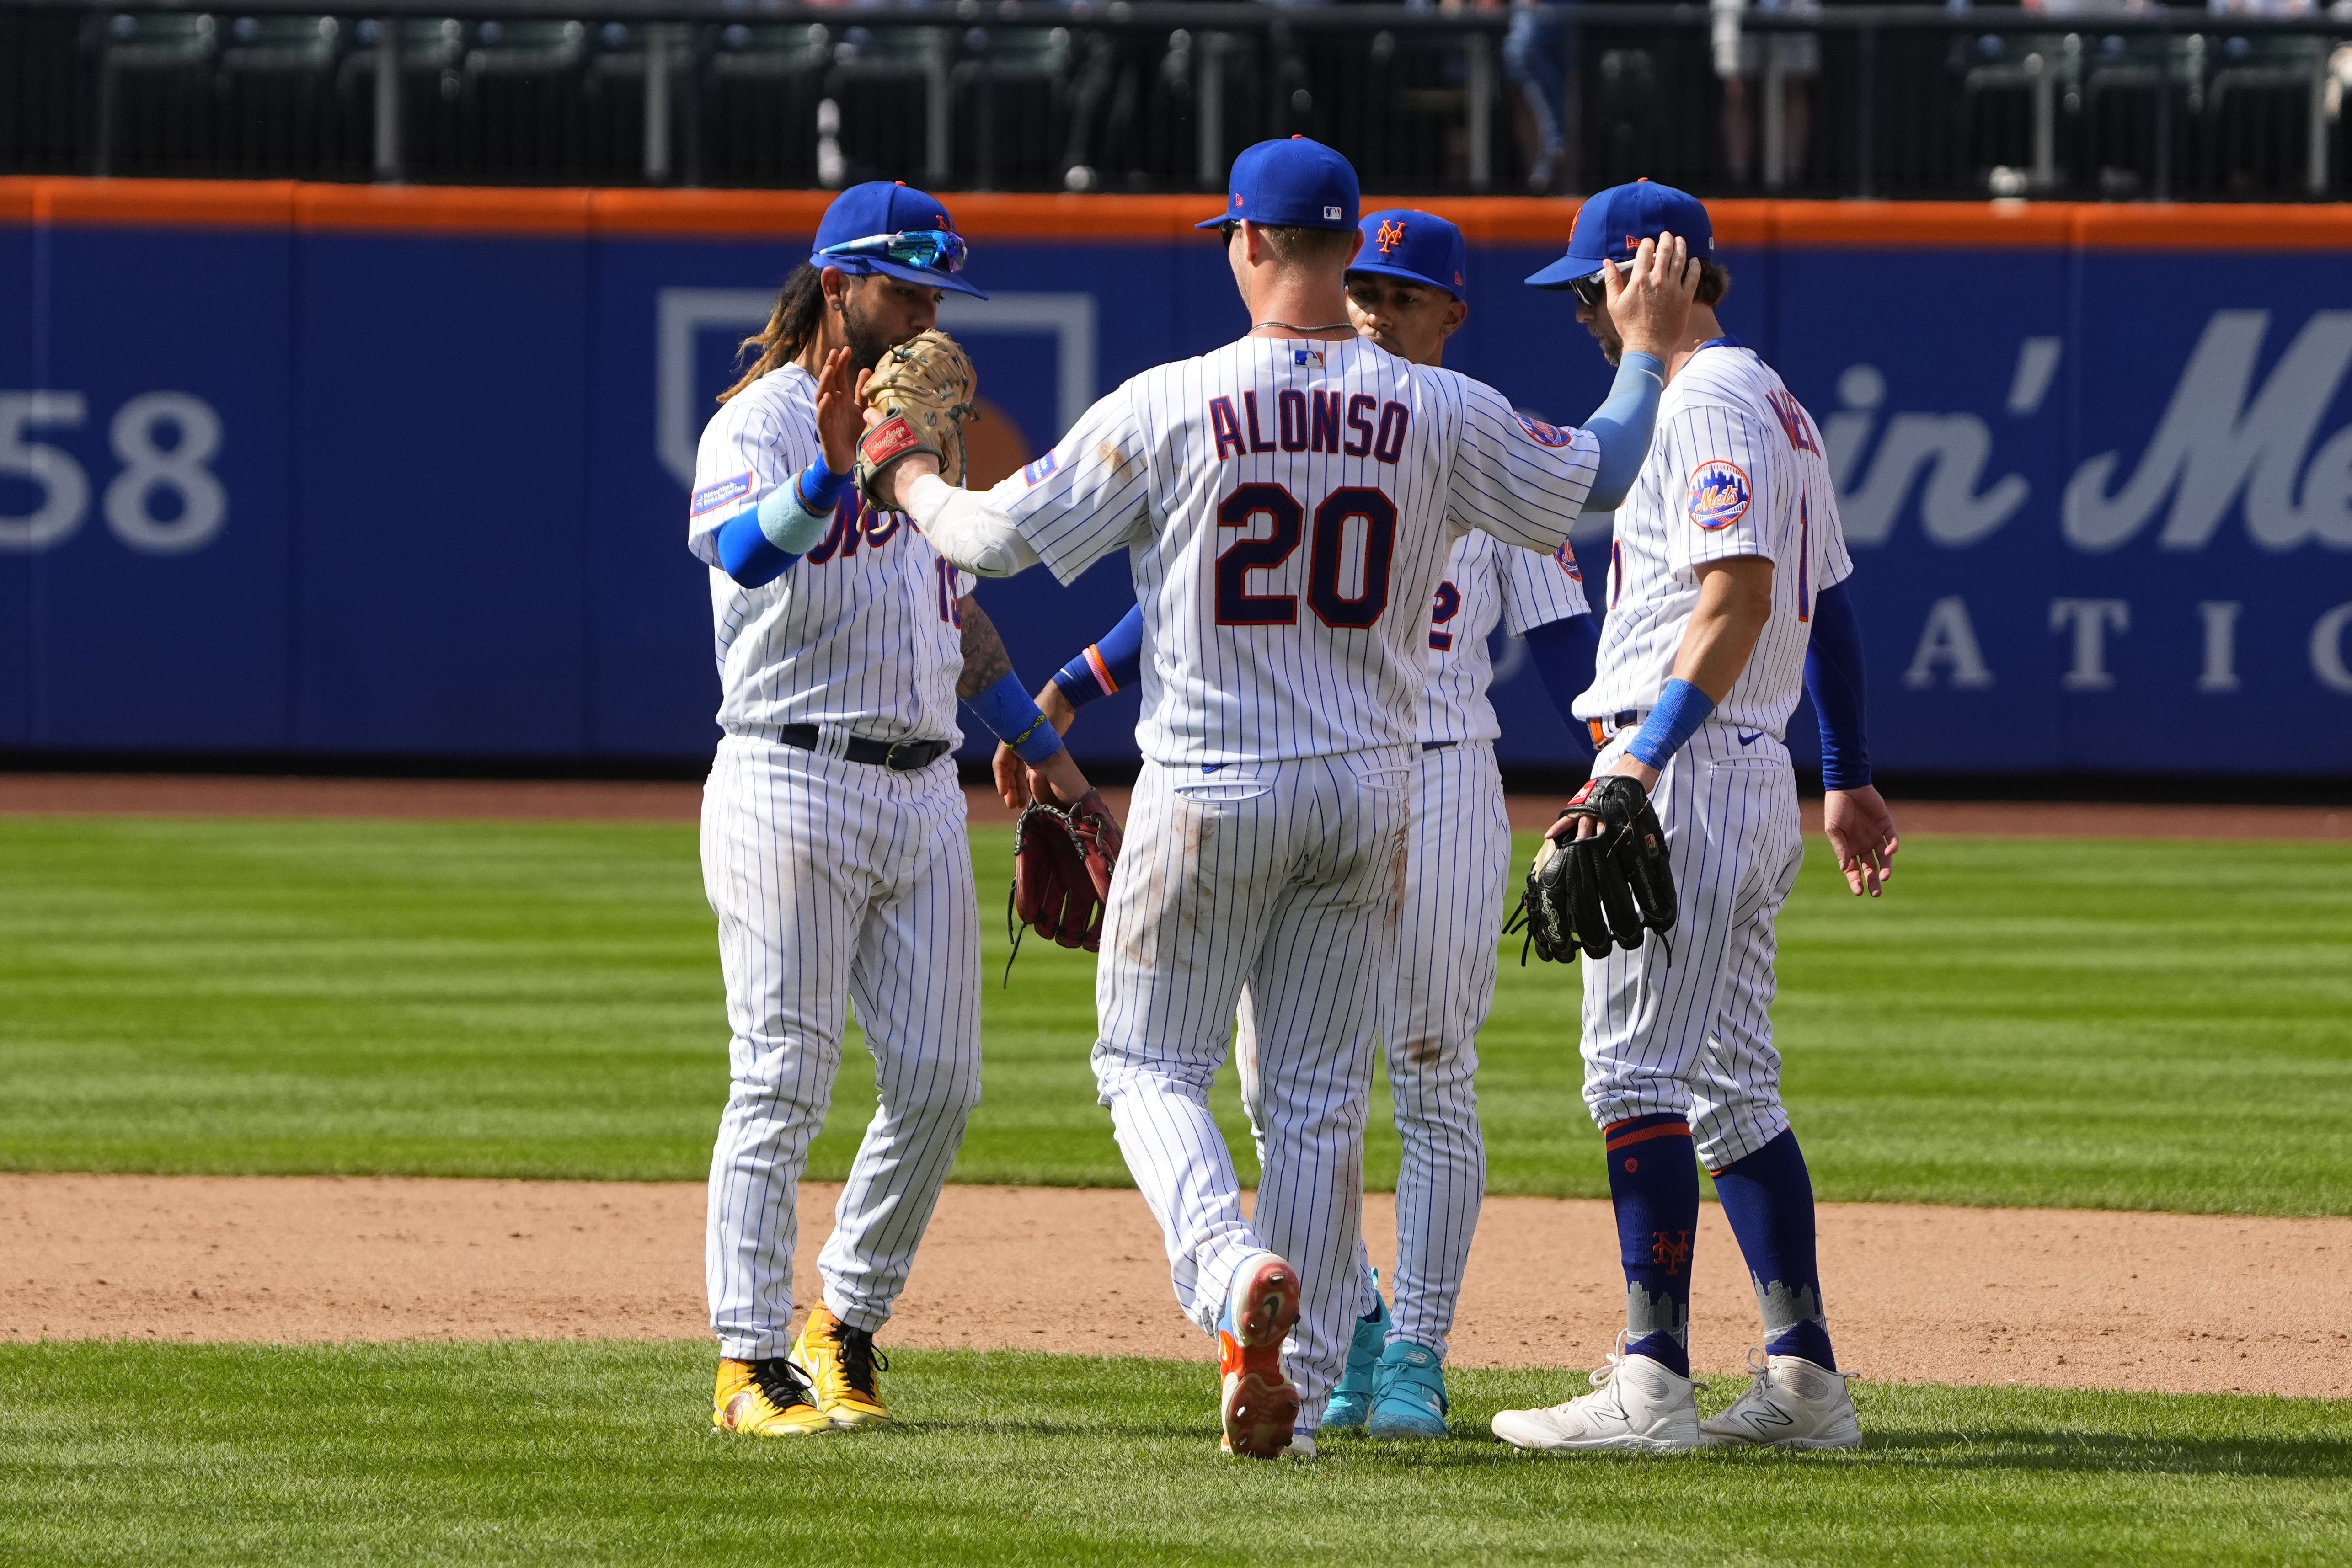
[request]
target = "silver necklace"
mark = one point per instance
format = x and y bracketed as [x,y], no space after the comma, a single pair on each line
[1329,327]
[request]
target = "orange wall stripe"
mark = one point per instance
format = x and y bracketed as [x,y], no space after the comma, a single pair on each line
[1005,217]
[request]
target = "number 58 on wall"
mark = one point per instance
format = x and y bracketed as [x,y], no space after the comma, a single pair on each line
[150,470]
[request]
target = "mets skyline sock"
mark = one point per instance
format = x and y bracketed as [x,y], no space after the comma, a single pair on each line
[1654,1186]
[1769,1199]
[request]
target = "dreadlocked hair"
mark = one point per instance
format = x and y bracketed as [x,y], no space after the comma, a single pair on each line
[792,325]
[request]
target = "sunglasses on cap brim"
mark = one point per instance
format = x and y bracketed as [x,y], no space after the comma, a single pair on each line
[1593,291]
[934,250]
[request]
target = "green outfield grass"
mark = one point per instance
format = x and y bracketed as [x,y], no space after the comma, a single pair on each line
[602,1453]
[2098,1024]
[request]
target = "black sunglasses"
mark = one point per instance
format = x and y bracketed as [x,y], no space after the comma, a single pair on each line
[1591,292]
[1225,231]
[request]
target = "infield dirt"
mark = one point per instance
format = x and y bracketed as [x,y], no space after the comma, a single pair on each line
[2066,1297]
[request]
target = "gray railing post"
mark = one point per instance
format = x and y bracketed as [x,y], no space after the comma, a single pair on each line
[1209,114]
[1865,105]
[1479,109]
[2162,183]
[387,100]
[937,111]
[1776,126]
[2316,174]
[657,104]
[2045,120]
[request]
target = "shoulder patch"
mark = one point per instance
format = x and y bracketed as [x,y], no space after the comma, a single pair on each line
[1718,493]
[1039,469]
[1566,556]
[711,498]
[1543,434]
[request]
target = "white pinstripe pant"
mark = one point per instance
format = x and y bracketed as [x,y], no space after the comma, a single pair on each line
[1460,858]
[1286,877]
[835,879]
[1694,1036]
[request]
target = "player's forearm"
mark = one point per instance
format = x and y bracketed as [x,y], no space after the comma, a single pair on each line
[963,527]
[1106,666]
[1624,425]
[759,544]
[1835,677]
[1734,601]
[993,690]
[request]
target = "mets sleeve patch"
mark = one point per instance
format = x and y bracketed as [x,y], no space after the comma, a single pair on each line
[1541,433]
[725,493]
[1566,556]
[1718,493]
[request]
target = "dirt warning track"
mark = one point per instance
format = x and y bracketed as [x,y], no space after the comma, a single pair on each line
[1915,1293]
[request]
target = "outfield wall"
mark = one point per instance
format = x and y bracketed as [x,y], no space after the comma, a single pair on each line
[363,470]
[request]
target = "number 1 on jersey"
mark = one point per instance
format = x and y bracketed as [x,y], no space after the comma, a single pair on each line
[1238,606]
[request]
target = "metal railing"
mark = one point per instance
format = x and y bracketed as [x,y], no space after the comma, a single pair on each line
[1019,94]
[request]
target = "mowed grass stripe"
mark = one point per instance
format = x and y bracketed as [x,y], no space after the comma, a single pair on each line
[2078,1023]
[536,1452]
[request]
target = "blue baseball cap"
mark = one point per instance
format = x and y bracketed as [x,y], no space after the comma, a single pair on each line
[1297,183]
[1610,225]
[1419,248]
[907,234]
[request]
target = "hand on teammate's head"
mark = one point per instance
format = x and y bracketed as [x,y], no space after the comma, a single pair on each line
[1650,300]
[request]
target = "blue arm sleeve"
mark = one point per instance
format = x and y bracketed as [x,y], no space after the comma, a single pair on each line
[1118,657]
[1624,425]
[1014,719]
[759,544]
[1834,676]
[1682,708]
[1563,652]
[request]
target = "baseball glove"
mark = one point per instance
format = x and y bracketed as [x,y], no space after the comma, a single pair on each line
[1063,859]
[1590,892]
[923,389]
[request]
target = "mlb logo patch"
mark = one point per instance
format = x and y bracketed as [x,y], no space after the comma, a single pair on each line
[1543,434]
[711,498]
[1718,493]
[1332,213]
[1039,469]
[1306,357]
[1567,559]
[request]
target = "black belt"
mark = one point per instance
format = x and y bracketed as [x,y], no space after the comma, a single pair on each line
[1603,728]
[900,756]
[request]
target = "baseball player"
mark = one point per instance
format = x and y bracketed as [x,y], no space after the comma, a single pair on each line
[1406,293]
[1726,591]
[1287,502]
[833,849]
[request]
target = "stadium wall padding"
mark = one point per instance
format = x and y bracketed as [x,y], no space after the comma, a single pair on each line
[387,471]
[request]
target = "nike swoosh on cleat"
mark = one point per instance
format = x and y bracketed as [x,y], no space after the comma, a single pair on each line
[1751,739]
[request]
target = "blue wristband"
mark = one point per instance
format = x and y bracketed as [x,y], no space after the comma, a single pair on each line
[820,487]
[1008,712]
[1682,708]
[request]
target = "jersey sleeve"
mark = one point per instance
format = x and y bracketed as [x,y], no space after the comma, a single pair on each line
[1837,564]
[1717,461]
[1517,479]
[1538,589]
[1087,498]
[746,452]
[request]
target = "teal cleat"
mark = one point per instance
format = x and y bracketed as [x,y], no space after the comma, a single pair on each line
[1351,1401]
[1407,1393]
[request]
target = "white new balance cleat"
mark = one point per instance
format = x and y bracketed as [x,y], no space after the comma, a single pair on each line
[1636,1404]
[1793,1404]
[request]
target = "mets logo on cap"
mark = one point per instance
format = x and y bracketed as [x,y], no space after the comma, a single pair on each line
[1718,493]
[1543,435]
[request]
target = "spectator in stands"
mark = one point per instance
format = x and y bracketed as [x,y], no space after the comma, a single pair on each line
[1539,59]
[1739,60]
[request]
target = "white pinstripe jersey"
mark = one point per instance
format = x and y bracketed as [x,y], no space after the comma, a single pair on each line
[1736,470]
[864,631]
[1486,583]
[1289,506]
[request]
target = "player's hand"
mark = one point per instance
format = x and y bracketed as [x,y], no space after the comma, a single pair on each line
[1862,835]
[1057,781]
[1012,773]
[1651,301]
[1632,767]
[840,420]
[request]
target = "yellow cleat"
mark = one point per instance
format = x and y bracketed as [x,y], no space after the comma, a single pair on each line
[766,1398]
[842,1362]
